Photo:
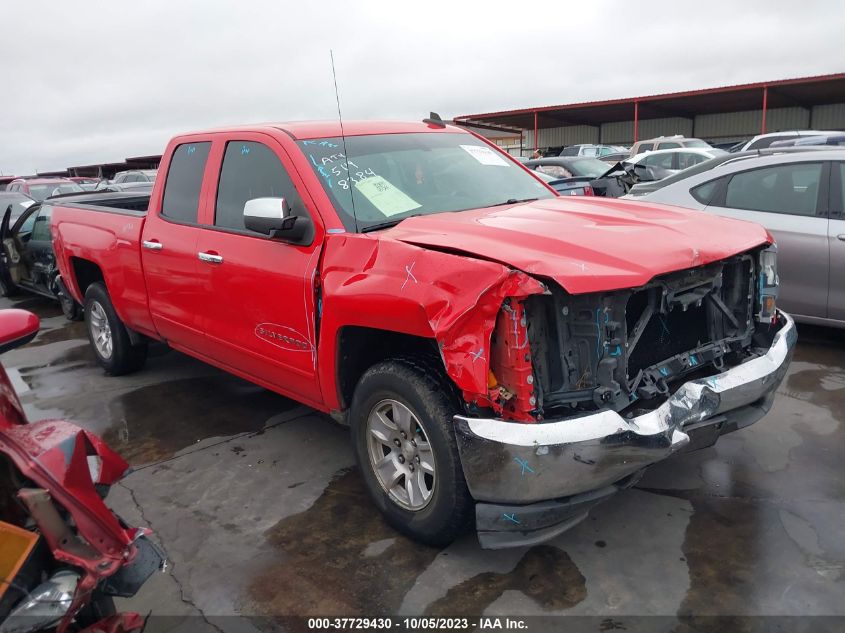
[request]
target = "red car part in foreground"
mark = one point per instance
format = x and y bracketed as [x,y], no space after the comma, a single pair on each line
[63,553]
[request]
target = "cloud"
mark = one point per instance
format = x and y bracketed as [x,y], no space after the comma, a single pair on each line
[94,81]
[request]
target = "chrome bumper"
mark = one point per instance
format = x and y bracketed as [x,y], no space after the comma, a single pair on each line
[512,463]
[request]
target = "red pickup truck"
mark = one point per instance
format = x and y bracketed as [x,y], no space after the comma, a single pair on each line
[500,353]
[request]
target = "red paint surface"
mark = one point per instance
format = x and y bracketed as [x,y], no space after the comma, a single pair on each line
[443,277]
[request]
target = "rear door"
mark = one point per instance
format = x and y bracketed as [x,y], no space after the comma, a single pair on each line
[785,199]
[836,240]
[169,249]
[264,319]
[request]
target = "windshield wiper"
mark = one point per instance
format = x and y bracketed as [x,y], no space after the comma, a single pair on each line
[388,223]
[513,201]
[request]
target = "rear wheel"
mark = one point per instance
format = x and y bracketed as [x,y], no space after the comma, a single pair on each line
[108,336]
[404,438]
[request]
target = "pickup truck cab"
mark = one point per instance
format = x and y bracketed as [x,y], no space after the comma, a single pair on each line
[499,352]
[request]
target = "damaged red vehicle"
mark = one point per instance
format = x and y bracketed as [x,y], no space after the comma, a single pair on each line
[500,353]
[63,553]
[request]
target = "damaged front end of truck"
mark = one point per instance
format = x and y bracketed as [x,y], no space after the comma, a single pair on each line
[587,390]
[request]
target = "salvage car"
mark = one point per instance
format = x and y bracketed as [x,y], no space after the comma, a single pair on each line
[27,261]
[43,188]
[667,142]
[797,196]
[572,174]
[671,161]
[501,353]
[64,555]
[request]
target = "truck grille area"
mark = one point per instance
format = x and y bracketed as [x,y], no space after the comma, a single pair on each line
[614,349]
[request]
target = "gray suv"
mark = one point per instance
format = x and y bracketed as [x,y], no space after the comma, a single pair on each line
[798,197]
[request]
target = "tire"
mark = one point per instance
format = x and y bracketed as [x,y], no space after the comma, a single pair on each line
[70,308]
[109,337]
[447,511]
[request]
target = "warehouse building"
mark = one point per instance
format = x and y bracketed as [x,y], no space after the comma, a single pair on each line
[722,115]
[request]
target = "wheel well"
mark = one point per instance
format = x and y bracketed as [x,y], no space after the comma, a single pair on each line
[86,273]
[359,348]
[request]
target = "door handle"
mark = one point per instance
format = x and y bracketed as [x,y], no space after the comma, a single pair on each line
[841,236]
[152,246]
[211,258]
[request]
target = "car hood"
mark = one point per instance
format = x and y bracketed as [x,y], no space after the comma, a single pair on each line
[586,244]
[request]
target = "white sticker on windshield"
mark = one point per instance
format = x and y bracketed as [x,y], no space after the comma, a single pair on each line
[385,197]
[484,155]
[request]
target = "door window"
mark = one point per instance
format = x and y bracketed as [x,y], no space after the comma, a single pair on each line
[658,160]
[250,170]
[688,159]
[41,228]
[184,181]
[791,189]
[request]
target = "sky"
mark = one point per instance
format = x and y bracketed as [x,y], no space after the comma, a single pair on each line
[94,81]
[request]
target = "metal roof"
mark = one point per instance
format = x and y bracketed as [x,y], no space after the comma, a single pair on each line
[803,91]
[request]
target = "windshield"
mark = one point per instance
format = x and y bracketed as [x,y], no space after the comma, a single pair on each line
[590,167]
[41,192]
[394,176]
[694,142]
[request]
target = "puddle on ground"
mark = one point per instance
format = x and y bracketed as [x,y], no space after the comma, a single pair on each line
[156,421]
[343,558]
[545,574]
[68,331]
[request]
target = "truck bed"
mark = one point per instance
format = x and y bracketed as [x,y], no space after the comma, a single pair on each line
[104,230]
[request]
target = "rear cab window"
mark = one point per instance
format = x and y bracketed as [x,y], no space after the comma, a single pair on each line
[184,182]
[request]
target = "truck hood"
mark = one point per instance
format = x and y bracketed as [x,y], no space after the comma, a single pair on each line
[586,244]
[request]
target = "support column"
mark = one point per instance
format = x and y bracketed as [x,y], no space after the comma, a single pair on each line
[765,107]
[535,131]
[636,121]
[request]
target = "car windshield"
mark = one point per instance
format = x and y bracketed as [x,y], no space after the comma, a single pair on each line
[43,191]
[388,177]
[19,204]
[589,167]
[695,143]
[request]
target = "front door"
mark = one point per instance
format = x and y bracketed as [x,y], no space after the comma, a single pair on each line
[784,199]
[261,317]
[836,240]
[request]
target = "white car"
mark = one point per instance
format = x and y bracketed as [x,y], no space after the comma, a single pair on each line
[761,141]
[671,161]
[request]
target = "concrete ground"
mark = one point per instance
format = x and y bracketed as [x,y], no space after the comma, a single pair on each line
[261,511]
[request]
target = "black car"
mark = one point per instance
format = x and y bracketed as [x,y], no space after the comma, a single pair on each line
[27,261]
[572,174]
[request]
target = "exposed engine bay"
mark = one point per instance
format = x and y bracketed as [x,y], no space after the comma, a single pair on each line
[629,348]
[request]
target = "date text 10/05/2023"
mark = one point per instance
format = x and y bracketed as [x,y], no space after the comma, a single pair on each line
[417,624]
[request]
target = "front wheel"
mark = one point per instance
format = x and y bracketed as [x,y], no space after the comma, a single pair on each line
[404,439]
[108,336]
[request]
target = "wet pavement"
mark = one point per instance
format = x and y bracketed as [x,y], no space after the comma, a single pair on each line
[257,502]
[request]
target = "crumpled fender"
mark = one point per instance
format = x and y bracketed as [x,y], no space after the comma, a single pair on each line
[395,286]
[54,454]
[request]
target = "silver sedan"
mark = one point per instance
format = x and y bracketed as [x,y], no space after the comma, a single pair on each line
[798,197]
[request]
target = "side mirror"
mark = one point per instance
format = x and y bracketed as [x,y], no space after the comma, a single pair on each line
[273,216]
[17,327]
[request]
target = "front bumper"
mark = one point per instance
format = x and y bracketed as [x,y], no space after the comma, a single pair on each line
[571,461]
